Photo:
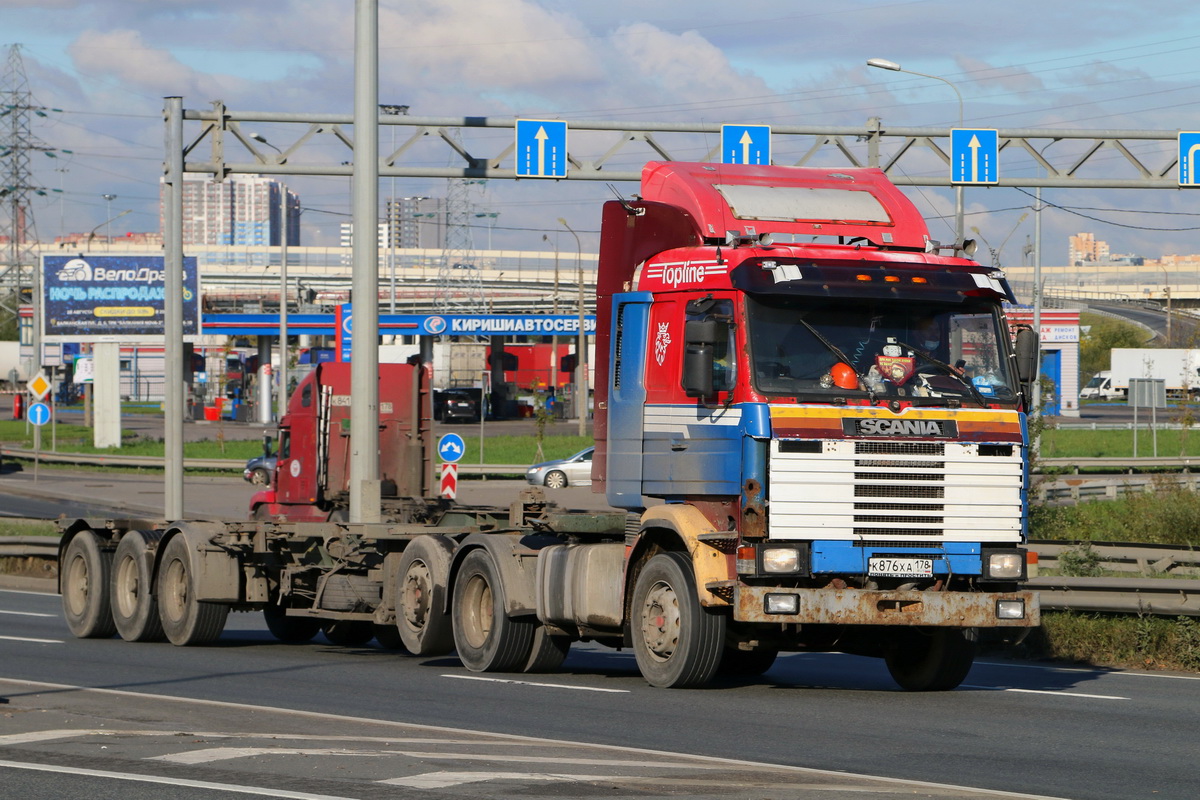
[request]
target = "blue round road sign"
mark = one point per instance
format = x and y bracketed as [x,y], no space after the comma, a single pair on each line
[39,413]
[451,447]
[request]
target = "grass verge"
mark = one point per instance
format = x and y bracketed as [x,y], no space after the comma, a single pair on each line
[1114,640]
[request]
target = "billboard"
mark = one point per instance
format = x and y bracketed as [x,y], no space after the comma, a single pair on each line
[111,298]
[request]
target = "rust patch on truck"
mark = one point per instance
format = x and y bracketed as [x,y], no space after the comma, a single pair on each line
[875,607]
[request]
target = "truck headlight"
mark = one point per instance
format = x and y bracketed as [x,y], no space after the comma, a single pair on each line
[1010,609]
[1007,565]
[780,560]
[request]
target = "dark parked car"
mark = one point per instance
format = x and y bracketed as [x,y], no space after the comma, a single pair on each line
[460,406]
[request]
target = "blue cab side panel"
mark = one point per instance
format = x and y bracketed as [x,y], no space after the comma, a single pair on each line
[627,398]
[692,450]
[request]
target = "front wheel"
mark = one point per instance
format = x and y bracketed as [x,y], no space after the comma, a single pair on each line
[556,479]
[86,571]
[134,609]
[678,643]
[185,620]
[486,638]
[934,660]
[260,477]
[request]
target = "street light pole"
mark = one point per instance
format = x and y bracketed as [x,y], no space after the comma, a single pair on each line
[554,338]
[108,198]
[393,216]
[581,348]
[883,63]
[282,398]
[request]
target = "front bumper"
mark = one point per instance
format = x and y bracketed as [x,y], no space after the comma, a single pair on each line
[874,607]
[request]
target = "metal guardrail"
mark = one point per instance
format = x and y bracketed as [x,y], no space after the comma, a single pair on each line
[1153,596]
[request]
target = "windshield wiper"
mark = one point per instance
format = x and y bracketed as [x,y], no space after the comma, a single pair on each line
[949,370]
[842,357]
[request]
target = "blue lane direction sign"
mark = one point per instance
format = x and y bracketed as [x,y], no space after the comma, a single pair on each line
[974,156]
[451,447]
[745,144]
[541,148]
[1189,158]
[39,414]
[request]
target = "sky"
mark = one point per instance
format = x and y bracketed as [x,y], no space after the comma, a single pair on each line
[106,65]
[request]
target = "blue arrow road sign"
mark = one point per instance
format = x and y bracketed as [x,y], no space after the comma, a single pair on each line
[39,413]
[451,447]
[1189,159]
[974,156]
[541,148]
[745,144]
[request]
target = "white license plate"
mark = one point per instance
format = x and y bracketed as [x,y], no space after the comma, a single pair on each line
[884,566]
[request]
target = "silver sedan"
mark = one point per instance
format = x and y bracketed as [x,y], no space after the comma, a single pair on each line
[574,470]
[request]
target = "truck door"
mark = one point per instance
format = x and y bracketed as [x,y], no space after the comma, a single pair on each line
[298,465]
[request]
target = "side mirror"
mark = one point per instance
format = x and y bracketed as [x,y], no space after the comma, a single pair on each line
[698,370]
[699,335]
[1027,355]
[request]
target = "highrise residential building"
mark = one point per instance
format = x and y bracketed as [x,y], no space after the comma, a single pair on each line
[1086,249]
[410,223]
[240,210]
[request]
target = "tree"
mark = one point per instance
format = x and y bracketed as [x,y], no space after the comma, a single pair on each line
[1101,336]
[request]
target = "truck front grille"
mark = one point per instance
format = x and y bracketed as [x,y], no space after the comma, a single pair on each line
[894,493]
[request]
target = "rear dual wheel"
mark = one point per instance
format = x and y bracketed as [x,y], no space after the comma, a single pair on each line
[134,607]
[185,619]
[932,660]
[86,573]
[486,638]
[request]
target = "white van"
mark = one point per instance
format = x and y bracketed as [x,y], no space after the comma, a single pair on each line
[1100,387]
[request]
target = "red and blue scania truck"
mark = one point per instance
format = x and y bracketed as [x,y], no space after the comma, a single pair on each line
[810,425]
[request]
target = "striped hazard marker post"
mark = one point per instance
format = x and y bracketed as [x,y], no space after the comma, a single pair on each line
[449,481]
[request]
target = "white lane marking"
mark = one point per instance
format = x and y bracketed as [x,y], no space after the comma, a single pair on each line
[128,776]
[25,591]
[1097,672]
[27,614]
[28,639]
[211,754]
[69,733]
[1044,691]
[533,683]
[443,780]
[510,737]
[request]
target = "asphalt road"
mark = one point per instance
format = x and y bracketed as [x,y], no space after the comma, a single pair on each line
[1012,727]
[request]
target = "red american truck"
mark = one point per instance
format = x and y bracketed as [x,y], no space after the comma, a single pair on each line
[810,425]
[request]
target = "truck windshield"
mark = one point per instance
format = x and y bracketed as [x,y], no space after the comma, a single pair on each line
[931,355]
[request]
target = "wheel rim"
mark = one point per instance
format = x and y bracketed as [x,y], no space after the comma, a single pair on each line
[259,478]
[77,588]
[660,621]
[176,598]
[416,594]
[127,587]
[478,619]
[556,480]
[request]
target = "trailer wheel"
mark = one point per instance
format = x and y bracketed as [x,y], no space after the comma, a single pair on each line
[677,642]
[934,660]
[549,651]
[185,620]
[349,632]
[487,639]
[421,618]
[85,595]
[291,630]
[737,663]
[134,609]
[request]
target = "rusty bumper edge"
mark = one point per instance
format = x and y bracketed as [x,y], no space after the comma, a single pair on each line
[866,607]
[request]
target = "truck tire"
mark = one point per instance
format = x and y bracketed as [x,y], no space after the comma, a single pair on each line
[549,651]
[388,637]
[349,632]
[486,638]
[677,642]
[86,571]
[290,630]
[134,608]
[423,576]
[185,620]
[934,660]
